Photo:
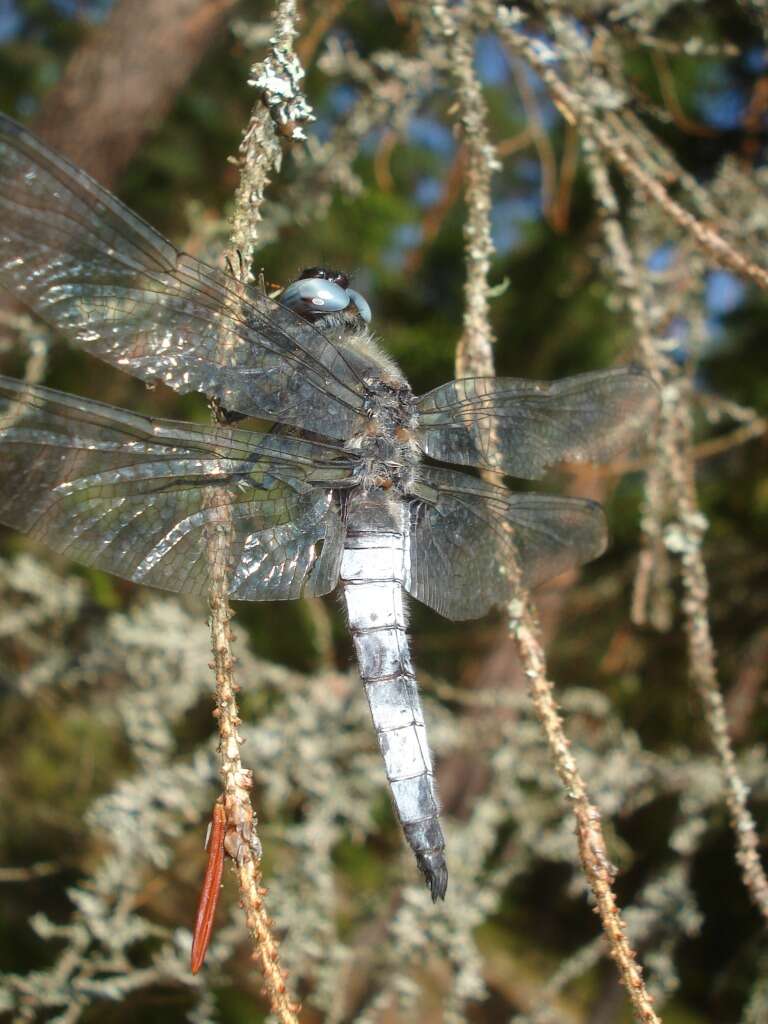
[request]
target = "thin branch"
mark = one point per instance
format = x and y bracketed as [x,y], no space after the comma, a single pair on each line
[674,472]
[713,446]
[382,171]
[692,47]
[539,135]
[633,289]
[280,108]
[702,657]
[577,112]
[475,356]
[435,215]
[561,205]
[40,870]
[672,100]
[326,15]
[746,692]
[598,869]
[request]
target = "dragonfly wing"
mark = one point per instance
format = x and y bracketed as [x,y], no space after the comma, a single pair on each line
[144,499]
[108,281]
[522,427]
[466,536]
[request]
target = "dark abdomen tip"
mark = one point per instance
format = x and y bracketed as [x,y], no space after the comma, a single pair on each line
[435,871]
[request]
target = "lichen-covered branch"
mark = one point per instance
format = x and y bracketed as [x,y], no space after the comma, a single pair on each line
[687,543]
[474,355]
[597,866]
[671,483]
[281,108]
[632,284]
[578,112]
[241,841]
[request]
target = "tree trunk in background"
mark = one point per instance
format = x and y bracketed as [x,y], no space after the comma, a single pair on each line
[123,79]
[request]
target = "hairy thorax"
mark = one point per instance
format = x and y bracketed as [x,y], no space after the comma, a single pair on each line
[386,445]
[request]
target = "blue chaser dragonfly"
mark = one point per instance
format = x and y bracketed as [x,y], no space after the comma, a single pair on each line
[345,491]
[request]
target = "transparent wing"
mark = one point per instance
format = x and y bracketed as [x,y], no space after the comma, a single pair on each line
[142,498]
[522,427]
[114,286]
[466,534]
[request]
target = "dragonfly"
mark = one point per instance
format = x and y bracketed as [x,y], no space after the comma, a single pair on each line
[351,487]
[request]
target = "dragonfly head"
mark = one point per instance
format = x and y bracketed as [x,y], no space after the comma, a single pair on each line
[320,292]
[338,277]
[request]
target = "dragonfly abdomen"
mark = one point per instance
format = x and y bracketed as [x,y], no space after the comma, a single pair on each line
[372,574]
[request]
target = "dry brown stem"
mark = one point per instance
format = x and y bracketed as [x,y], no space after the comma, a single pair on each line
[560,211]
[260,154]
[540,137]
[325,16]
[475,356]
[702,655]
[592,849]
[436,214]
[671,481]
[747,690]
[669,91]
[241,842]
[577,112]
[709,449]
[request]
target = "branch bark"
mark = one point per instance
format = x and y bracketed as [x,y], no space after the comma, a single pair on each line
[577,112]
[475,355]
[276,110]
[121,82]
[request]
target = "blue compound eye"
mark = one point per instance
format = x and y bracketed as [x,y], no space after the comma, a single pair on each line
[362,306]
[312,296]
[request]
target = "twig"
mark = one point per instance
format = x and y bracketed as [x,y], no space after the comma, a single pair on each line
[750,680]
[577,111]
[753,119]
[39,870]
[713,446]
[673,472]
[694,47]
[539,136]
[436,214]
[672,101]
[382,171]
[561,204]
[649,596]
[241,841]
[280,107]
[702,657]
[475,355]
[327,13]
[633,289]
[592,849]
[35,366]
